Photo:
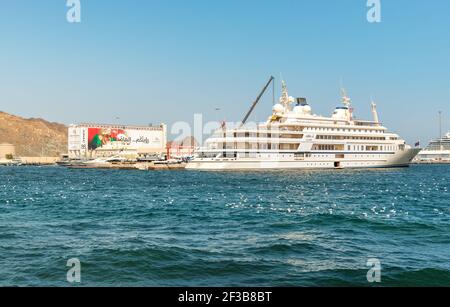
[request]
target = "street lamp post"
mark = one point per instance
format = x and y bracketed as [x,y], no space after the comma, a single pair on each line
[440,130]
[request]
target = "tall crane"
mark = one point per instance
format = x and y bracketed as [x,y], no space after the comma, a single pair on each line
[257,100]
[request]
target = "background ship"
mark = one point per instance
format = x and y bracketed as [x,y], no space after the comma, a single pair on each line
[438,151]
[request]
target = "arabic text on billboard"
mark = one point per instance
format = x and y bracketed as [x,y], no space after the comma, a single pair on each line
[101,138]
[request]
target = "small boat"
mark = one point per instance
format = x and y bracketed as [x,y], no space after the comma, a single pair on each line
[168,162]
[112,162]
[13,162]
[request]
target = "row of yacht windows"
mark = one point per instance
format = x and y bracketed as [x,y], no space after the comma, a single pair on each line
[296,157]
[348,137]
[372,148]
[299,136]
[310,129]
[354,147]
[343,130]
[259,135]
[328,147]
[333,147]
[319,137]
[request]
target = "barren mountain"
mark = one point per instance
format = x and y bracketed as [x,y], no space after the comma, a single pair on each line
[33,137]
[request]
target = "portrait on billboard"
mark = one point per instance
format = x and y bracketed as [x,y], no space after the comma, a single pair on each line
[100,137]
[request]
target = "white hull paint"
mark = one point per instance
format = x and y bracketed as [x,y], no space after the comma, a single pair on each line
[399,159]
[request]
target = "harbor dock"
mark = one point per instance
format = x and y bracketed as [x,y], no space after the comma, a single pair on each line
[29,161]
[144,166]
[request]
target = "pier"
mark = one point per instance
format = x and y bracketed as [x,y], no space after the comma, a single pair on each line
[144,166]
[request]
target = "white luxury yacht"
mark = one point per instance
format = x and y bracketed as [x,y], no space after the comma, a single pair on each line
[295,138]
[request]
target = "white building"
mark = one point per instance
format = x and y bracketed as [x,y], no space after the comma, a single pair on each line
[88,141]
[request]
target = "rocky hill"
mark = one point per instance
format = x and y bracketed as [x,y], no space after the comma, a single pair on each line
[33,137]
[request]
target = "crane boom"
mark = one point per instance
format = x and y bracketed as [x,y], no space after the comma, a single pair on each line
[256,101]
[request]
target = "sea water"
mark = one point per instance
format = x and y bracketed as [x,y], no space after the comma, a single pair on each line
[188,228]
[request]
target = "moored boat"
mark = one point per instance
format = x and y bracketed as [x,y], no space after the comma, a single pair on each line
[438,151]
[294,137]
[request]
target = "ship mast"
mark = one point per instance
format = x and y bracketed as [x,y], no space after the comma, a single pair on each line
[285,99]
[375,112]
[346,101]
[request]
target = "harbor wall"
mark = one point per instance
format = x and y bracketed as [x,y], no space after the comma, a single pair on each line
[39,160]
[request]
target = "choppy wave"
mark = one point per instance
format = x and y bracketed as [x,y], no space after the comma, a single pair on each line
[225,229]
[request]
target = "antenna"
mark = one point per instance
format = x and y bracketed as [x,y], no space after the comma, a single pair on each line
[374,111]
[273,92]
[341,86]
[345,99]
[440,130]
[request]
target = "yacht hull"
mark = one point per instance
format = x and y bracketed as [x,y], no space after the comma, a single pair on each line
[398,159]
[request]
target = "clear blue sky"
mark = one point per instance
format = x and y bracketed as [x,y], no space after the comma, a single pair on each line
[154,61]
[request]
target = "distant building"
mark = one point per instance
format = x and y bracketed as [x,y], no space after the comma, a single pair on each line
[7,150]
[96,140]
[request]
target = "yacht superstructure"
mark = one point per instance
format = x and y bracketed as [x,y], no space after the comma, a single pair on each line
[295,138]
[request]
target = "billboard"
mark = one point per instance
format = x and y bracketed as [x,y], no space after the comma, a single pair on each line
[107,138]
[84,139]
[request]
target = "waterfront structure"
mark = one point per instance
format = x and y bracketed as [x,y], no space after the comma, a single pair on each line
[7,151]
[89,141]
[180,152]
[437,151]
[183,149]
[295,138]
